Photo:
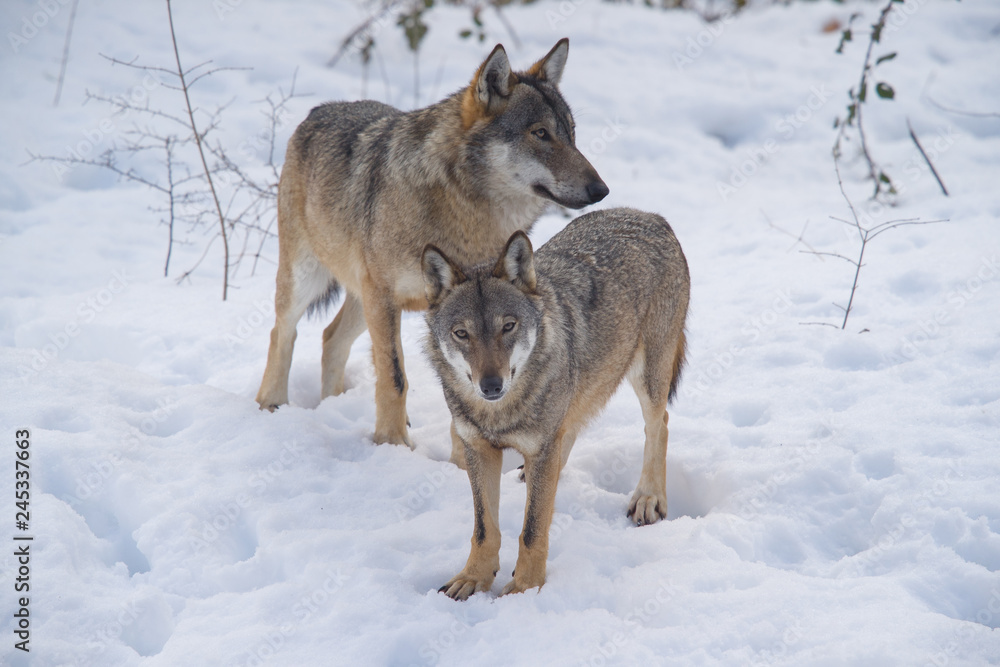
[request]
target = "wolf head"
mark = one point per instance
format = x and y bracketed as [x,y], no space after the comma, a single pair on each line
[484,321]
[524,130]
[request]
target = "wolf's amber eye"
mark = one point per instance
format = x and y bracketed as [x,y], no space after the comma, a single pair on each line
[509,326]
[460,334]
[542,134]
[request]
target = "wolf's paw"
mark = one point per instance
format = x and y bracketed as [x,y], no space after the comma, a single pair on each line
[462,585]
[646,508]
[269,408]
[335,388]
[393,439]
[521,584]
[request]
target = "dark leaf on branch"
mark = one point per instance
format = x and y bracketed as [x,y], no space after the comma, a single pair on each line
[884,90]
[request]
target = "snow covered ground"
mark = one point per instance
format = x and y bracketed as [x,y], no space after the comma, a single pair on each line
[834,495]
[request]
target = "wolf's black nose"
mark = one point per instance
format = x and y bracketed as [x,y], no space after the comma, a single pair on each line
[597,191]
[491,386]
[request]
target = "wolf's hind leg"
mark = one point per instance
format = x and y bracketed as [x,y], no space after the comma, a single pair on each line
[300,281]
[337,340]
[651,380]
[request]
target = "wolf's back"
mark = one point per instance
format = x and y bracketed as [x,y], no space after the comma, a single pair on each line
[626,245]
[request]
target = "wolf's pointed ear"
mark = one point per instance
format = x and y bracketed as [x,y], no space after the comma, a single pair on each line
[517,263]
[550,68]
[441,275]
[490,87]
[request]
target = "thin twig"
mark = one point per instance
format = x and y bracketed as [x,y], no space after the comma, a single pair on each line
[920,148]
[850,205]
[962,112]
[858,101]
[131,63]
[168,148]
[507,25]
[184,276]
[866,235]
[361,29]
[106,163]
[201,153]
[828,254]
[818,324]
[798,239]
[65,55]
[884,227]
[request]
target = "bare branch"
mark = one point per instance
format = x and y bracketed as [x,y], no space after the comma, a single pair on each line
[215,70]
[884,227]
[65,55]
[920,148]
[850,205]
[362,28]
[144,68]
[828,254]
[865,235]
[962,112]
[201,153]
[107,163]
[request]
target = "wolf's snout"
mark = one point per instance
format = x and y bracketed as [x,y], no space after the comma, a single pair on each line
[597,190]
[492,387]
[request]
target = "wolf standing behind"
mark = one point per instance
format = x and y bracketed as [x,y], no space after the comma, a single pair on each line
[530,348]
[365,187]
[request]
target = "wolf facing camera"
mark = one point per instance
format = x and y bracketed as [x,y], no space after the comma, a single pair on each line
[530,347]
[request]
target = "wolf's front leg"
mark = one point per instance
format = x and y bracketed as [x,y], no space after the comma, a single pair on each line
[383,317]
[541,474]
[457,448]
[484,464]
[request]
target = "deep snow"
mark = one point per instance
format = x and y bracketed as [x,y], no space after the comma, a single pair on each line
[834,495]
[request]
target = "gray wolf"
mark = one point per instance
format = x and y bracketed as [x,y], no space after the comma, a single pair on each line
[365,187]
[531,347]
